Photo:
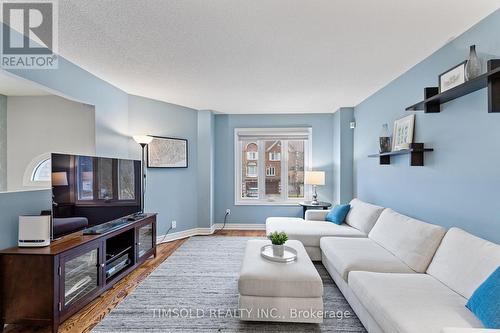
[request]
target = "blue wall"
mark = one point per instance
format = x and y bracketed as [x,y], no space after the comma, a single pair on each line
[460,183]
[322,139]
[3,143]
[14,204]
[170,192]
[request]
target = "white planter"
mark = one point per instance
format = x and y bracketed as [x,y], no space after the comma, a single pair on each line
[278,250]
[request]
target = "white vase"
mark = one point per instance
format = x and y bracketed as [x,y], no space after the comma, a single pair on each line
[278,250]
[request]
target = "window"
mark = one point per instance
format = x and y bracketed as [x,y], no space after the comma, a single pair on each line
[274,156]
[296,169]
[42,171]
[270,171]
[252,170]
[38,172]
[252,155]
[279,178]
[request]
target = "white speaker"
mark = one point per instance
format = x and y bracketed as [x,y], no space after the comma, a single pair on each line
[34,231]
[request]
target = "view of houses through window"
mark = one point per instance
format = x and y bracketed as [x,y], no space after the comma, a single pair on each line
[272,170]
[105,179]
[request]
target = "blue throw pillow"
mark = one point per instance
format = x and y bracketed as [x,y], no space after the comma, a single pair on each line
[485,301]
[338,213]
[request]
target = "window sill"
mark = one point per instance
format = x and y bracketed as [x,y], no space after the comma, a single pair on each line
[268,203]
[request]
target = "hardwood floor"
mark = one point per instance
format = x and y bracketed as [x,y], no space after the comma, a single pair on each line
[243,233]
[94,312]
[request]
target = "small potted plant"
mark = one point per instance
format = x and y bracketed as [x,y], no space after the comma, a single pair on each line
[278,240]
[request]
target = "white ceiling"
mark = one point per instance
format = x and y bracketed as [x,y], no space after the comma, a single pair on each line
[259,56]
[11,85]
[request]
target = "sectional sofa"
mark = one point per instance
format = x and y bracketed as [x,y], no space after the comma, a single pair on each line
[398,274]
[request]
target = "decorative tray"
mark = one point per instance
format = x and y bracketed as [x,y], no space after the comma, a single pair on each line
[289,255]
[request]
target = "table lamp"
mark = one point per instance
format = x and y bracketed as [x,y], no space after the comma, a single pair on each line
[314,178]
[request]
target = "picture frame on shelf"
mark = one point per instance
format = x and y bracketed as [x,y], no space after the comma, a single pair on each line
[166,152]
[403,133]
[453,77]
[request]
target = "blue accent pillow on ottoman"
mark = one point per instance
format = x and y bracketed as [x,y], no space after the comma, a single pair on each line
[338,213]
[485,301]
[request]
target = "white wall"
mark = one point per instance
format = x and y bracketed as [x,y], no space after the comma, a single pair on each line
[42,124]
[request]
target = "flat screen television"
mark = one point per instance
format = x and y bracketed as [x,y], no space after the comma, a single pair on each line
[88,191]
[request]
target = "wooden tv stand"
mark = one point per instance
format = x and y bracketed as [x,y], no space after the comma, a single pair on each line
[45,286]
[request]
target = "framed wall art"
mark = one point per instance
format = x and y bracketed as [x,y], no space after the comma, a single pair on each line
[165,152]
[453,77]
[403,133]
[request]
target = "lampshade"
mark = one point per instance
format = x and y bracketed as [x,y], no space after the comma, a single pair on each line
[143,139]
[314,178]
[59,178]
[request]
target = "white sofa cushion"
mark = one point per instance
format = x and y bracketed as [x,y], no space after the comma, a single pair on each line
[468,330]
[362,215]
[463,261]
[411,240]
[359,254]
[410,303]
[261,277]
[316,214]
[284,221]
[309,232]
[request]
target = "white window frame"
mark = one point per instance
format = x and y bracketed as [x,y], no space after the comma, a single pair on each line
[275,157]
[252,156]
[252,175]
[262,133]
[29,172]
[269,169]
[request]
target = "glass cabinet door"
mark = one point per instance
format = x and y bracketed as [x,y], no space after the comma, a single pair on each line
[145,239]
[80,276]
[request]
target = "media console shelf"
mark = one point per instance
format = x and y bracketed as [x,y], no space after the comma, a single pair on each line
[491,79]
[416,152]
[45,286]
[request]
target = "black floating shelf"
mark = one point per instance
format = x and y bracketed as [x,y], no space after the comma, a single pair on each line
[416,152]
[491,80]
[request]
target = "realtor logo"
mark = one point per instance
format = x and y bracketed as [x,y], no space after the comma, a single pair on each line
[29,34]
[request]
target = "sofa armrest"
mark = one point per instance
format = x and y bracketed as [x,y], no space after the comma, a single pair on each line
[316,214]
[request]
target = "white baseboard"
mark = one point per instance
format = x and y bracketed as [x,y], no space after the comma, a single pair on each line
[240,226]
[207,231]
[184,234]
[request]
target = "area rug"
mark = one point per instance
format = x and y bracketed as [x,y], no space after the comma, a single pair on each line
[196,290]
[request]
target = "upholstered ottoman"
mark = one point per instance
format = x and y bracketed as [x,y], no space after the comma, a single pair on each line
[271,291]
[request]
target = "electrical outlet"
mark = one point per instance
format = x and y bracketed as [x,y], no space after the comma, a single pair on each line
[174,224]
[228,211]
